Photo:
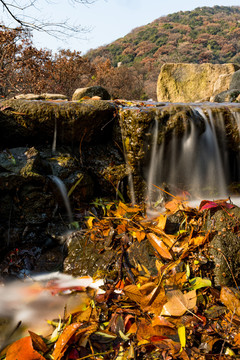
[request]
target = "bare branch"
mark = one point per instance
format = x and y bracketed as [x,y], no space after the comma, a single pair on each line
[60,30]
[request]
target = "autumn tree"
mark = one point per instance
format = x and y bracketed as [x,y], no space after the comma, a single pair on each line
[68,72]
[121,82]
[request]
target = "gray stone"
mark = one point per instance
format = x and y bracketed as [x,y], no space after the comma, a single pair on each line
[91,91]
[227,96]
[235,81]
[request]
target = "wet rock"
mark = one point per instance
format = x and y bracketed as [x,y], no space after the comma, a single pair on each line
[224,247]
[106,165]
[95,258]
[86,257]
[37,122]
[91,91]
[142,254]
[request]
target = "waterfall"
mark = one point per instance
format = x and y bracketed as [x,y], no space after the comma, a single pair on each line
[54,143]
[197,162]
[64,195]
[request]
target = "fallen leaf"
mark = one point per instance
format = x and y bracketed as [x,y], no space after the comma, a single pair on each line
[23,350]
[231,299]
[159,245]
[182,336]
[197,241]
[178,303]
[38,342]
[198,283]
[133,292]
[206,204]
[140,235]
[161,221]
[63,340]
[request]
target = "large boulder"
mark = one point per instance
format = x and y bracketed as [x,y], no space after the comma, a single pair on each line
[192,82]
[91,91]
[33,122]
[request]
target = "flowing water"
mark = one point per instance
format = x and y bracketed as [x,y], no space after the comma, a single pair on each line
[199,162]
[64,195]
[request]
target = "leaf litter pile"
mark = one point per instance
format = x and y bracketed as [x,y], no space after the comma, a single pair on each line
[177,313]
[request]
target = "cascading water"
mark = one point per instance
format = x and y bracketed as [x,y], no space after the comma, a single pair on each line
[197,161]
[64,195]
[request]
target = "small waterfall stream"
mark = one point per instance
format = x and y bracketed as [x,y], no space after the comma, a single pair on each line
[198,162]
[64,195]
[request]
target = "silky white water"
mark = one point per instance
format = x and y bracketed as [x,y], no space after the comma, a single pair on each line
[198,163]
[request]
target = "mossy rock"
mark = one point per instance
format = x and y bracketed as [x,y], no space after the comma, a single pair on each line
[35,122]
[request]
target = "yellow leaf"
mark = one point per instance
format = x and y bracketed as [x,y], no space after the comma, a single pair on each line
[89,222]
[182,336]
[161,221]
[159,245]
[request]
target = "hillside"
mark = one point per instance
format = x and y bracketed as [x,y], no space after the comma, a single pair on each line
[203,35]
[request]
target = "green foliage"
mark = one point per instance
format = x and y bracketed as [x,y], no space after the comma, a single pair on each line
[205,30]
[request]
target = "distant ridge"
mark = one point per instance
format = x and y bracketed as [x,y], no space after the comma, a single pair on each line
[206,34]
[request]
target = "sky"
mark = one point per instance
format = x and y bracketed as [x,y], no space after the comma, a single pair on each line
[107,20]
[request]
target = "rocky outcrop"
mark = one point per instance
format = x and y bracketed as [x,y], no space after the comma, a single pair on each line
[33,122]
[91,91]
[193,82]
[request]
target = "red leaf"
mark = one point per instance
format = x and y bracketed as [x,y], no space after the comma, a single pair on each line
[206,204]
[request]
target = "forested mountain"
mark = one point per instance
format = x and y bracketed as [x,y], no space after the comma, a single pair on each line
[206,34]
[202,35]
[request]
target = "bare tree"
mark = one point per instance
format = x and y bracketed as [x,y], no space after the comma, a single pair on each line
[17,11]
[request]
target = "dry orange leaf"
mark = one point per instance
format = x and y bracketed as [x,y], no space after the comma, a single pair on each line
[161,221]
[62,342]
[23,350]
[162,321]
[178,303]
[159,245]
[175,205]
[197,241]
[133,292]
[140,235]
[231,299]
[237,339]
[124,209]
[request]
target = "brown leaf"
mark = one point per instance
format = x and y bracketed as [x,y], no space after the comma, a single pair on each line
[37,342]
[159,245]
[63,340]
[231,299]
[23,350]
[133,292]
[178,303]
